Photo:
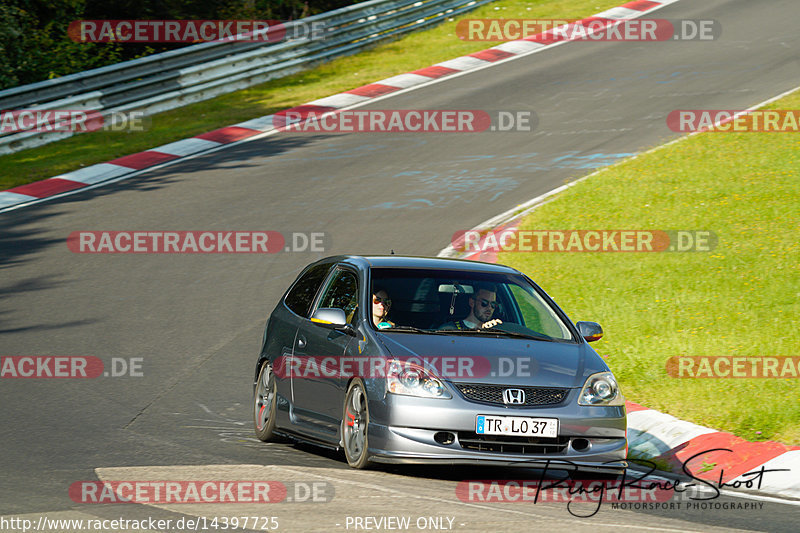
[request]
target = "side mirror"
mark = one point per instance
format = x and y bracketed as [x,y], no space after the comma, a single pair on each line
[332,318]
[591,331]
[329,316]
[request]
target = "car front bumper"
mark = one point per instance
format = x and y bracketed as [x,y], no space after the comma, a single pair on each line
[403,429]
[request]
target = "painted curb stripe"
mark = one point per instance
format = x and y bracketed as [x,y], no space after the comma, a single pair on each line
[462,63]
[491,55]
[404,81]
[618,13]
[744,456]
[48,187]
[435,72]
[187,146]
[13,198]
[96,173]
[303,111]
[143,159]
[228,134]
[785,483]
[652,433]
[641,5]
[261,124]
[373,89]
[633,407]
[518,47]
[340,100]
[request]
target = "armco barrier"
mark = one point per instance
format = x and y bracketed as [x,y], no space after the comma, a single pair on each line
[194,73]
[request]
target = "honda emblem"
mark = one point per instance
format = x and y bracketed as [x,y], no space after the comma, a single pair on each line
[514,396]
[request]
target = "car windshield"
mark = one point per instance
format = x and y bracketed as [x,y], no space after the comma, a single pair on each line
[461,302]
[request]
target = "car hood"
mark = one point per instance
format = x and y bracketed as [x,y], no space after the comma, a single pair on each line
[498,360]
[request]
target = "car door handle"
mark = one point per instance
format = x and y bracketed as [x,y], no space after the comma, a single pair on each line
[301,342]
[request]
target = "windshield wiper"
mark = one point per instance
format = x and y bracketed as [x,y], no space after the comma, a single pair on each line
[534,336]
[410,329]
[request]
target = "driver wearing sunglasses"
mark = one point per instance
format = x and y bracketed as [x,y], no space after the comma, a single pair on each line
[481,308]
[380,308]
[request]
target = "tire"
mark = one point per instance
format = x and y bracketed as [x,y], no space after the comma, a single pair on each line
[265,404]
[355,425]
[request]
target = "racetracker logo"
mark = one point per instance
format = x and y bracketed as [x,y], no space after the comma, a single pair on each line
[732,121]
[565,490]
[195,242]
[591,29]
[449,367]
[161,492]
[516,240]
[379,367]
[726,366]
[70,120]
[323,119]
[191,31]
[75,367]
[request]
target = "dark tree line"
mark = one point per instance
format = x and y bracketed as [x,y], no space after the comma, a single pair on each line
[34,44]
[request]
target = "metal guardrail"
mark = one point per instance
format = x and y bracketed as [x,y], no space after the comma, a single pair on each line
[194,73]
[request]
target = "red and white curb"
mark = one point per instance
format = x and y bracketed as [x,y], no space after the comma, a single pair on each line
[130,165]
[661,437]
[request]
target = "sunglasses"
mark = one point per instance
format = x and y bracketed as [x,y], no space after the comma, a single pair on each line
[486,303]
[385,301]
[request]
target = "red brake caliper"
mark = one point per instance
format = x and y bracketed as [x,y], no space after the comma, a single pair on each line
[261,416]
[352,418]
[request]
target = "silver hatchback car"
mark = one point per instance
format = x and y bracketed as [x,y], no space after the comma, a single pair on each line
[425,360]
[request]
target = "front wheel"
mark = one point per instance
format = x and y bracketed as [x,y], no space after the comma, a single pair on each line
[355,425]
[265,402]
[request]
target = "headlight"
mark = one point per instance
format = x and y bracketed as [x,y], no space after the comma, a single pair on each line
[413,380]
[601,389]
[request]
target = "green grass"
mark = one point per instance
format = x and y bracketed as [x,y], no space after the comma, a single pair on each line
[412,52]
[741,299]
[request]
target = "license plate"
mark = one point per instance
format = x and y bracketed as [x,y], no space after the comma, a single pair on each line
[517,425]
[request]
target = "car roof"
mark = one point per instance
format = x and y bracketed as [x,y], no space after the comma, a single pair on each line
[412,262]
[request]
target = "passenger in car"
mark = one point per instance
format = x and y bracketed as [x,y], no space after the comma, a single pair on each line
[380,308]
[482,305]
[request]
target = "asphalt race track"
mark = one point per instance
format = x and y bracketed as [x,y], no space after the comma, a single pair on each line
[196,320]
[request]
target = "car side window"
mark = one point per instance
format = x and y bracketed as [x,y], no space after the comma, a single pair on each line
[342,293]
[302,294]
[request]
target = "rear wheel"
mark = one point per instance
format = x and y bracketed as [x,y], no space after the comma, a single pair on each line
[355,425]
[264,404]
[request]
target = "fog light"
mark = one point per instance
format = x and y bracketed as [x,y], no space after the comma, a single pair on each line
[580,445]
[444,437]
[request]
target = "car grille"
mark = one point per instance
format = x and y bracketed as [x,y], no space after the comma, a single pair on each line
[493,394]
[506,444]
